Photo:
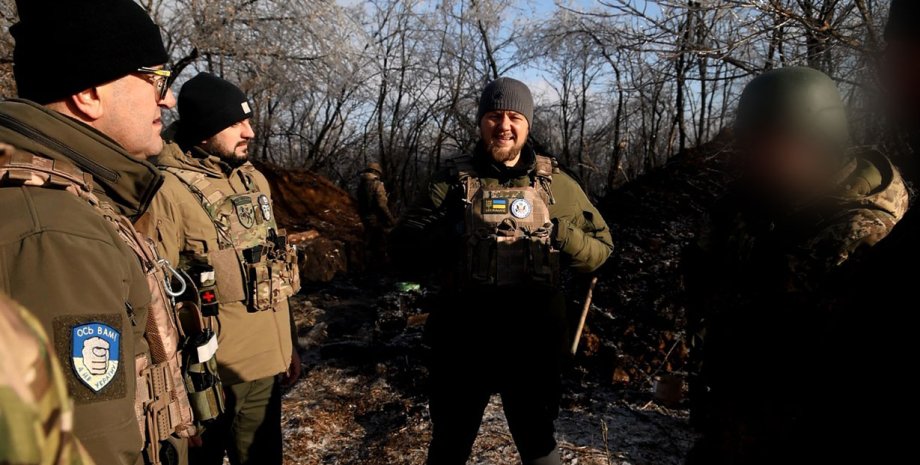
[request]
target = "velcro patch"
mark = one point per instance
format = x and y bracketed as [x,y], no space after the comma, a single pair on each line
[92,347]
[495,206]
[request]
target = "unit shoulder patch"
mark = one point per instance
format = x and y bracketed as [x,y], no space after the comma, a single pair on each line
[92,347]
[95,354]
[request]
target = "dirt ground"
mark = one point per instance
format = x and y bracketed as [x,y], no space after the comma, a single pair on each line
[361,399]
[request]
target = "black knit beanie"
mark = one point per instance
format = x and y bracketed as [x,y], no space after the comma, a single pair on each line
[506,94]
[67,47]
[207,106]
[903,20]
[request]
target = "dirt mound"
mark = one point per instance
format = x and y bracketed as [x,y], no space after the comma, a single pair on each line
[322,220]
[637,328]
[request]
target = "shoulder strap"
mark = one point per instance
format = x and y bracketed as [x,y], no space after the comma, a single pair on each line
[544,170]
[18,167]
[461,167]
[208,194]
[464,173]
[201,185]
[246,176]
[546,167]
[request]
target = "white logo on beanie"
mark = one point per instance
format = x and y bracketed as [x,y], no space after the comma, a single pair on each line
[246,108]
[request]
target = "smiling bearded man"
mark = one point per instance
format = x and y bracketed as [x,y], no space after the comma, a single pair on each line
[499,226]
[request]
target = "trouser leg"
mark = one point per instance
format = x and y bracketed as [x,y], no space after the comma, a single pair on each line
[531,407]
[216,437]
[456,408]
[256,429]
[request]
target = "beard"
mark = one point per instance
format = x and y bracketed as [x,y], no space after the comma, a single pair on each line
[234,156]
[504,155]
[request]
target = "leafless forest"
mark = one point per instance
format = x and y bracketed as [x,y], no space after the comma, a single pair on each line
[622,84]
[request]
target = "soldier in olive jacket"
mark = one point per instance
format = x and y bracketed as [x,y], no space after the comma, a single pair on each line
[214,218]
[499,226]
[89,115]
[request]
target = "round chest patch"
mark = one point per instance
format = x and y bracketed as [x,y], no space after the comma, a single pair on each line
[521,208]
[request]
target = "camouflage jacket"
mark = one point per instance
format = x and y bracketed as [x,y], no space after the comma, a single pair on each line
[373,202]
[758,284]
[796,252]
[36,413]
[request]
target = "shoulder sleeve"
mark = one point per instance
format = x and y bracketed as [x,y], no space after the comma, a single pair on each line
[438,189]
[582,233]
[846,239]
[425,234]
[72,270]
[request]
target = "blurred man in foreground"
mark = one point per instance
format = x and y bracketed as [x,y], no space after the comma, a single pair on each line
[806,202]
[36,427]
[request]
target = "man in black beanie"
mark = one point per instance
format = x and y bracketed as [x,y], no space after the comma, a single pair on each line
[214,218]
[73,179]
[498,226]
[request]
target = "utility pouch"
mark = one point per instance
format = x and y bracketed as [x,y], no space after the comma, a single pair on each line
[205,390]
[228,276]
[292,269]
[202,382]
[482,260]
[260,279]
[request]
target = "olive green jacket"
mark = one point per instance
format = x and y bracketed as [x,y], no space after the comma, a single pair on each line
[251,345]
[36,426]
[581,233]
[63,261]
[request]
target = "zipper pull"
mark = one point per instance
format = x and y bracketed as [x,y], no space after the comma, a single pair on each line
[130,309]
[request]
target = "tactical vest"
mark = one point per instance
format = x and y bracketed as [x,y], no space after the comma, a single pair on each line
[508,230]
[254,263]
[161,403]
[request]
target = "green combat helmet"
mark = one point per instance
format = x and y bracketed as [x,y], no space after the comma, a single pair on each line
[796,99]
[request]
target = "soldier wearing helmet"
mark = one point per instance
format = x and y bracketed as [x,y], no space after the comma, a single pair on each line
[805,202]
[373,205]
[875,332]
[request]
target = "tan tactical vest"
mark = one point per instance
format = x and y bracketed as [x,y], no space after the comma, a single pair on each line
[254,264]
[508,229]
[161,404]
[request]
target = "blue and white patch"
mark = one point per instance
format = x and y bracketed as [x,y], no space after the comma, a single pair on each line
[95,354]
[521,208]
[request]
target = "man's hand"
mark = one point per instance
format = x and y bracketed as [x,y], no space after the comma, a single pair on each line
[293,372]
[96,355]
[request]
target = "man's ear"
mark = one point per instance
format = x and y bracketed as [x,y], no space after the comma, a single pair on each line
[88,103]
